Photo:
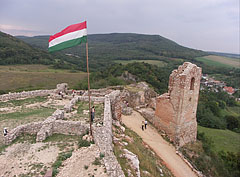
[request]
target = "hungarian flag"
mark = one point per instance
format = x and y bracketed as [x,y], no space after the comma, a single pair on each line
[69,37]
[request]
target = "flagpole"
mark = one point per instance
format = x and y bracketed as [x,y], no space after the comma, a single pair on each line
[89,91]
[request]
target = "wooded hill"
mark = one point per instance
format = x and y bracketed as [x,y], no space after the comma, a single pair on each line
[16,51]
[105,48]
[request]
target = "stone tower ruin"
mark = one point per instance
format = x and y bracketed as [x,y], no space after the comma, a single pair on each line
[176,110]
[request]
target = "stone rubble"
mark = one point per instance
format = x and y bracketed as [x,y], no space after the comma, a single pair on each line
[103,138]
[133,160]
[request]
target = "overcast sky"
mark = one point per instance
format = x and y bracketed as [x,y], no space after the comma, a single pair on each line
[211,25]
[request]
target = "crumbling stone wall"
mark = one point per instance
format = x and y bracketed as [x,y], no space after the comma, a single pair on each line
[103,138]
[139,95]
[68,107]
[30,128]
[14,96]
[177,109]
[53,124]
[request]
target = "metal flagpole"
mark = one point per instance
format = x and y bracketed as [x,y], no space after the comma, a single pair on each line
[89,91]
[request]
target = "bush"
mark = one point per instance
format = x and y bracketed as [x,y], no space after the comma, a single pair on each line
[58,163]
[232,122]
[83,143]
[96,161]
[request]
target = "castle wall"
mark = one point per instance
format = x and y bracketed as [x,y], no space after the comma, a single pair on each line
[14,96]
[176,110]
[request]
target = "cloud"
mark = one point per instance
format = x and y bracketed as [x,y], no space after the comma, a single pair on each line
[18,30]
[201,24]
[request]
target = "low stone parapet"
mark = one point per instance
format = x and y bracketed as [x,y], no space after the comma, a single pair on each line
[30,128]
[14,96]
[93,98]
[69,127]
[103,138]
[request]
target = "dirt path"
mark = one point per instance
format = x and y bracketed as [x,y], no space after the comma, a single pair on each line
[164,150]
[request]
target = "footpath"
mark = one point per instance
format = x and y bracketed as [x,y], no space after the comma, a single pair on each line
[162,148]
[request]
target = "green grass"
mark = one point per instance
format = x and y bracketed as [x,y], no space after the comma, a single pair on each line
[224,140]
[219,61]
[22,101]
[211,63]
[233,111]
[43,112]
[148,161]
[82,105]
[32,77]
[12,120]
[96,161]
[61,137]
[58,163]
[153,62]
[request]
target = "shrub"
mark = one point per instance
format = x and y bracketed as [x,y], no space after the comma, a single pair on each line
[96,161]
[83,143]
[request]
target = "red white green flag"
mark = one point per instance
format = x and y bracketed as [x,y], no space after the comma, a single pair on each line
[69,37]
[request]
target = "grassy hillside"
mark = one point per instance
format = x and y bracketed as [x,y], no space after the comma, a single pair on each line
[224,140]
[220,61]
[123,46]
[15,51]
[31,77]
[229,55]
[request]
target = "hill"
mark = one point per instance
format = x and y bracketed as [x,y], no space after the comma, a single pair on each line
[230,55]
[15,51]
[220,61]
[123,46]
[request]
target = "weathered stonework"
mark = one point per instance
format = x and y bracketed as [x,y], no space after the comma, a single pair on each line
[103,139]
[139,95]
[53,124]
[14,96]
[177,109]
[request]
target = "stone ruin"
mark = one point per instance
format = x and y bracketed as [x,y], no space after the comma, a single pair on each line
[173,112]
[55,124]
[176,109]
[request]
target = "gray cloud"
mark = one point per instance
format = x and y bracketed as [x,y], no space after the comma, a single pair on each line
[208,25]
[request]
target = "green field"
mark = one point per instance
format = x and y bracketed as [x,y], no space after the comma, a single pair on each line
[224,140]
[30,77]
[153,62]
[219,61]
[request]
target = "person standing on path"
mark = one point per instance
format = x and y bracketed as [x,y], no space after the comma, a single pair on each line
[5,131]
[142,125]
[92,113]
[145,122]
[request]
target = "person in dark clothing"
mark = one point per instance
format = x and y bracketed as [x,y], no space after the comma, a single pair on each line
[92,113]
[5,131]
[143,125]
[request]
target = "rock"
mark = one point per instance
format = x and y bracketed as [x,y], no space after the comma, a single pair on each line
[146,173]
[129,139]
[127,111]
[87,137]
[86,112]
[116,123]
[62,87]
[130,173]
[48,173]
[124,143]
[122,128]
[159,169]
[133,159]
